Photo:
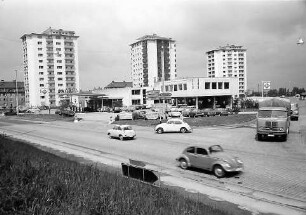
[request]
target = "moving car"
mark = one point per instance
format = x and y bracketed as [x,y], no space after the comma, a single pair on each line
[173,125]
[211,158]
[122,132]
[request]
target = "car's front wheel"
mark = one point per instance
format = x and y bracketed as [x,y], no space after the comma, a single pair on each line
[219,171]
[121,137]
[183,163]
[160,130]
[183,130]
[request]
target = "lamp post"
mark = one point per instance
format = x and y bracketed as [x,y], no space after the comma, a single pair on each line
[17,109]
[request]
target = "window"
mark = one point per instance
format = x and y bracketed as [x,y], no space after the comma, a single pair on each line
[207,85]
[214,85]
[201,151]
[40,61]
[59,61]
[60,79]
[59,67]
[226,85]
[39,42]
[220,85]
[180,87]
[60,85]
[175,87]
[41,85]
[185,86]
[58,43]
[59,73]
[39,49]
[40,55]
[58,49]
[191,150]
[135,92]
[41,73]
[41,79]
[41,67]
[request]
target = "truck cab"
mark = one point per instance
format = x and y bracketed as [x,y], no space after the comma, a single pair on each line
[273,122]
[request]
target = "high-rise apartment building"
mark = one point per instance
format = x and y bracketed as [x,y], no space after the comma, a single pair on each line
[228,61]
[50,66]
[153,59]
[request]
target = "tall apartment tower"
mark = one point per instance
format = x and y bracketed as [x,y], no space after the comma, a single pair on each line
[228,61]
[147,64]
[50,66]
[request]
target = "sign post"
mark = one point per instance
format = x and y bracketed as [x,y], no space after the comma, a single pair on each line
[266,85]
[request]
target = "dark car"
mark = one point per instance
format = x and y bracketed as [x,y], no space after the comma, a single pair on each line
[222,112]
[10,113]
[211,158]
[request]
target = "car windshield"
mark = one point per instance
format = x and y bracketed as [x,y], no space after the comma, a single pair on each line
[127,128]
[272,113]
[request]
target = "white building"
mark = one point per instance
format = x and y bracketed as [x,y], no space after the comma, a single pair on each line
[200,92]
[50,66]
[228,61]
[147,64]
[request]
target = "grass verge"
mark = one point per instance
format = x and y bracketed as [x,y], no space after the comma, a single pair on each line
[37,182]
[198,121]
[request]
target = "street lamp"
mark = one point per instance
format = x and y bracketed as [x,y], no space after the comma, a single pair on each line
[17,109]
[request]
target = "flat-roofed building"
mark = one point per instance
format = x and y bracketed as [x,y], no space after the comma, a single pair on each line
[50,66]
[153,58]
[228,61]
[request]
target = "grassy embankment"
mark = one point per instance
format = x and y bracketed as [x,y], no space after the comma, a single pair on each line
[37,182]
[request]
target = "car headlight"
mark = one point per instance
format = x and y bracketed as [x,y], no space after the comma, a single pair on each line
[281,129]
[238,160]
[227,165]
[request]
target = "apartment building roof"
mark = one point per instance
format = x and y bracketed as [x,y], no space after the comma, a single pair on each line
[122,84]
[153,37]
[227,48]
[52,31]
[11,84]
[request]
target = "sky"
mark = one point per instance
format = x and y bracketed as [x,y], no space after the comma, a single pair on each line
[269,30]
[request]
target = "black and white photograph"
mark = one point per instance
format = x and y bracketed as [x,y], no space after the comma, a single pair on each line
[153,107]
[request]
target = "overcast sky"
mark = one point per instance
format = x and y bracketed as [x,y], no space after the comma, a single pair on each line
[268,30]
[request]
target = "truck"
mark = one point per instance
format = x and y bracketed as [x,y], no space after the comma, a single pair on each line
[273,118]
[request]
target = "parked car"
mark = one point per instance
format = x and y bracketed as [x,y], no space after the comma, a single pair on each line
[211,158]
[173,125]
[209,112]
[117,109]
[10,112]
[125,115]
[196,113]
[122,132]
[66,112]
[33,110]
[174,114]
[151,115]
[294,113]
[221,112]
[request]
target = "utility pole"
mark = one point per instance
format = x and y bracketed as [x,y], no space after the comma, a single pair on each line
[17,109]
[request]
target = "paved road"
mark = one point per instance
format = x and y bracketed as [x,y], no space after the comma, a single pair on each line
[272,168]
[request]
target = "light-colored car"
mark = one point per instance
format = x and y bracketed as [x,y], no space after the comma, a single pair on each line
[122,132]
[125,115]
[211,158]
[294,113]
[173,125]
[33,110]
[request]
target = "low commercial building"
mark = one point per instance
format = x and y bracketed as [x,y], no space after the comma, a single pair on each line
[199,92]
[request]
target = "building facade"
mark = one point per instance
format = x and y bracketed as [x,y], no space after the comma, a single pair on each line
[199,92]
[10,94]
[228,61]
[51,67]
[153,59]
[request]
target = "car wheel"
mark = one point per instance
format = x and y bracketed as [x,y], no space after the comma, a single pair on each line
[183,130]
[183,164]
[109,135]
[121,137]
[259,137]
[160,130]
[219,171]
